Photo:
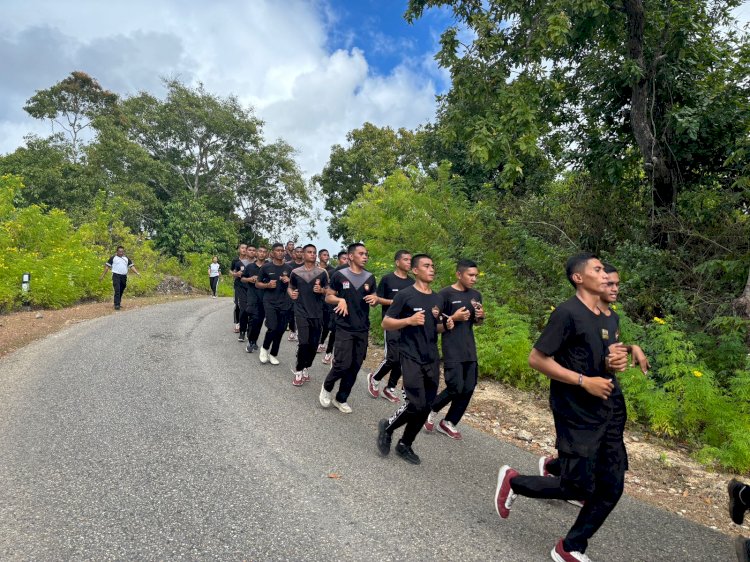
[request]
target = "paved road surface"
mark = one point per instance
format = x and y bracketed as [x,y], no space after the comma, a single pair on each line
[151,434]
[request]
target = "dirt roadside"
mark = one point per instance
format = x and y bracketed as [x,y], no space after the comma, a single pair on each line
[661,473]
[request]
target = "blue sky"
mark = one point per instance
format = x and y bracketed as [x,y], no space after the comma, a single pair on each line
[312,69]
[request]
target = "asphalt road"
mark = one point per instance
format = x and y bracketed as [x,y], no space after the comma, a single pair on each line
[151,434]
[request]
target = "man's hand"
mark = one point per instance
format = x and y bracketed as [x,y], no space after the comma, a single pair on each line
[617,360]
[417,319]
[479,312]
[284,278]
[341,308]
[449,323]
[461,315]
[598,386]
[372,299]
[640,359]
[272,284]
[317,288]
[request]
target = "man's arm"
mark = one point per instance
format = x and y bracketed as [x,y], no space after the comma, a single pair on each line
[545,364]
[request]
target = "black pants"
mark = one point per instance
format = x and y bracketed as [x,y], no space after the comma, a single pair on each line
[390,363]
[244,304]
[308,336]
[119,282]
[256,315]
[276,322]
[460,382]
[326,323]
[214,282]
[292,323]
[348,356]
[598,480]
[420,386]
[236,305]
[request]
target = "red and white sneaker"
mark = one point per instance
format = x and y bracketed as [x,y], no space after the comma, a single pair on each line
[559,554]
[389,393]
[429,425]
[504,494]
[447,428]
[327,358]
[321,348]
[305,375]
[372,385]
[543,462]
[236,328]
[298,378]
[292,336]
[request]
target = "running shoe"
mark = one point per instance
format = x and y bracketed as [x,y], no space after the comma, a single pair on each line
[327,358]
[343,407]
[407,453]
[559,554]
[504,494]
[447,428]
[736,506]
[273,359]
[249,347]
[298,378]
[321,348]
[389,393]
[241,337]
[429,425]
[543,462]
[325,397]
[372,385]
[236,328]
[305,375]
[384,438]
[292,336]
[263,355]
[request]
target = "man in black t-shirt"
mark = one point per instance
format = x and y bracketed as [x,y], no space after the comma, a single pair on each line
[352,293]
[573,353]
[254,298]
[289,252]
[343,262]
[235,270]
[242,291]
[324,259]
[274,280]
[417,313]
[464,305]
[388,288]
[307,288]
[298,261]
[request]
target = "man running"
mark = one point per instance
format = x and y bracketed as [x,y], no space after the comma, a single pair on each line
[298,261]
[236,271]
[254,299]
[343,263]
[289,252]
[388,288]
[464,305]
[243,292]
[417,313]
[120,265]
[274,279]
[572,352]
[307,288]
[352,292]
[324,259]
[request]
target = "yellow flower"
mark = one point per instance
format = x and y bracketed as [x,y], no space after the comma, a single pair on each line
[697,374]
[552,308]
[613,307]
[659,320]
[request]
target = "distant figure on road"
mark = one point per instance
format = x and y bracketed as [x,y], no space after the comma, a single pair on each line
[214,273]
[120,265]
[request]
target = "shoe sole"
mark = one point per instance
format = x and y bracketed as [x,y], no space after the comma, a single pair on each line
[337,405]
[457,437]
[407,459]
[500,479]
[382,425]
[393,400]
[373,394]
[542,470]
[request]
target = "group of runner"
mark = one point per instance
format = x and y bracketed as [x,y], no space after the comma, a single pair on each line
[579,350]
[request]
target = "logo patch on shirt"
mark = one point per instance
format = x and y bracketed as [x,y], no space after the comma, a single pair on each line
[345,284]
[435,311]
[605,334]
[455,302]
[367,287]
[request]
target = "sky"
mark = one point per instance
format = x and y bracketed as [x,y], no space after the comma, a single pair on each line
[312,69]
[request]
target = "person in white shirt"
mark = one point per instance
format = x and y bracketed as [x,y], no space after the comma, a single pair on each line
[120,266]
[214,273]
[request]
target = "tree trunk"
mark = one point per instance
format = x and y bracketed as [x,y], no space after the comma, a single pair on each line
[742,304]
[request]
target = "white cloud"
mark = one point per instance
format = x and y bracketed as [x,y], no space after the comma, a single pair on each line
[269,54]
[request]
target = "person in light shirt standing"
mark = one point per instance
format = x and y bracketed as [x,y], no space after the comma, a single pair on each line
[120,265]
[214,272]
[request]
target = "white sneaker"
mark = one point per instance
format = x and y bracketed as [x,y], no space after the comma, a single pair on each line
[325,397]
[343,407]
[305,375]
[429,425]
[263,355]
[292,336]
[298,378]
[273,360]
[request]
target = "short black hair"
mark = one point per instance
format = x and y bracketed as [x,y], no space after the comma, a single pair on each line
[276,245]
[323,250]
[609,268]
[463,265]
[576,263]
[342,253]
[415,259]
[261,246]
[120,248]
[306,246]
[400,254]
[351,247]
[298,248]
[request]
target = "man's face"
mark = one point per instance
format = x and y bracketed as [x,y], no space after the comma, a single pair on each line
[323,257]
[424,270]
[290,247]
[359,256]
[298,254]
[251,252]
[404,263]
[120,252]
[468,277]
[278,253]
[309,255]
[343,259]
[613,288]
[262,254]
[242,250]
[593,277]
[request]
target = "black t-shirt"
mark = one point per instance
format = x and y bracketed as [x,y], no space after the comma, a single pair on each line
[389,287]
[610,336]
[277,297]
[251,270]
[458,344]
[573,336]
[236,266]
[353,288]
[309,304]
[418,343]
